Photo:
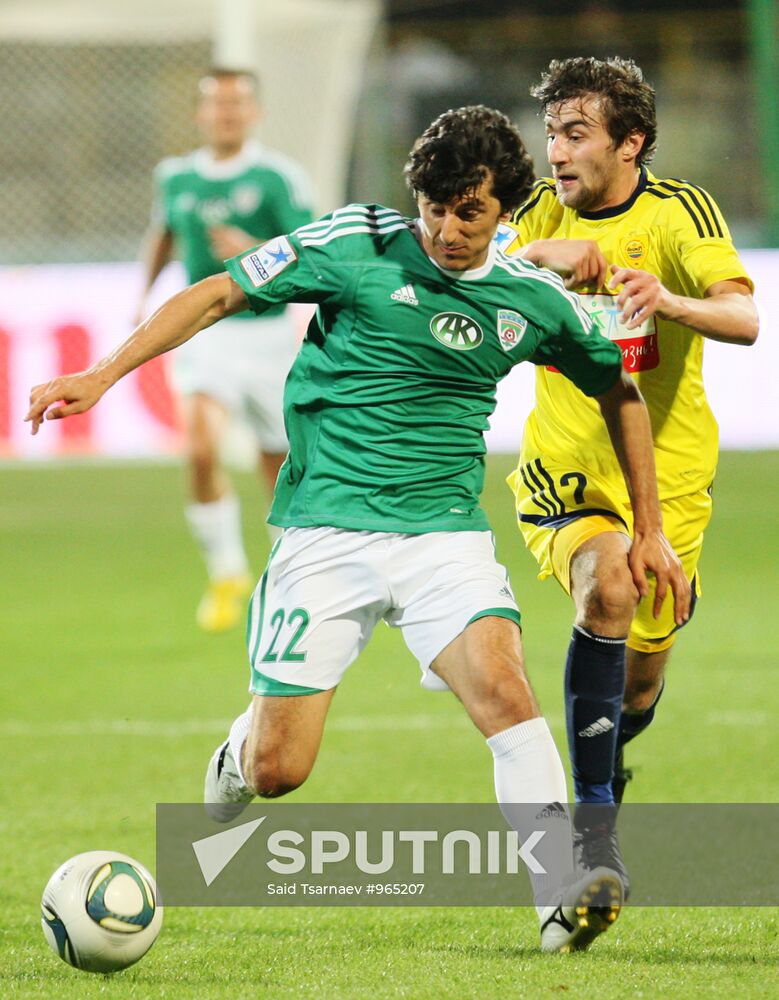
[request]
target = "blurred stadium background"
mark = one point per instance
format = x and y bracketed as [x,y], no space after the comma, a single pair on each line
[96,94]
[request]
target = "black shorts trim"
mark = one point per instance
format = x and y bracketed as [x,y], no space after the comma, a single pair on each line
[557,521]
[693,604]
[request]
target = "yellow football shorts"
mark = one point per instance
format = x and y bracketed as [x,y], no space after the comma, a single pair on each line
[559,509]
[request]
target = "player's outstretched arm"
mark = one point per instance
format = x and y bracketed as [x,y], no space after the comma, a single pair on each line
[726,313]
[175,322]
[627,420]
[580,263]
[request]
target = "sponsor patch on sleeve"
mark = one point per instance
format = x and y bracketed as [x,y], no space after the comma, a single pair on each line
[268,261]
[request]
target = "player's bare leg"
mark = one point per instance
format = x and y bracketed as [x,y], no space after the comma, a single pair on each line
[283,741]
[270,751]
[214,516]
[602,586]
[484,667]
[205,422]
[644,679]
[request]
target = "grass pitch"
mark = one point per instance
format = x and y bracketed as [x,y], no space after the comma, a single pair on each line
[112,701]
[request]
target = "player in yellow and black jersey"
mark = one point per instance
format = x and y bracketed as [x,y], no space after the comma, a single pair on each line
[653,259]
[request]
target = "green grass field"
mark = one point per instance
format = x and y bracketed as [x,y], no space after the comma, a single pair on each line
[112,701]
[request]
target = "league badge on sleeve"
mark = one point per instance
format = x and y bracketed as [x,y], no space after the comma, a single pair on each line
[504,236]
[268,261]
[511,328]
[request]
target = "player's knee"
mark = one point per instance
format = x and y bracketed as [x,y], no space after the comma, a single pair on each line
[612,598]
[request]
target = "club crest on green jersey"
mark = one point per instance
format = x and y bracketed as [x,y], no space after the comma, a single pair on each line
[453,329]
[511,328]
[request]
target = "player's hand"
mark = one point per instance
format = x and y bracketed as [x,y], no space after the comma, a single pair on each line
[229,241]
[652,552]
[642,295]
[579,263]
[72,393]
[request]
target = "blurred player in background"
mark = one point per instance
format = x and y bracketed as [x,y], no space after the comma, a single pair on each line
[386,407]
[653,259]
[211,205]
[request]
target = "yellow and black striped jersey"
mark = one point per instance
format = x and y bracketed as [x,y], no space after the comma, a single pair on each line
[674,230]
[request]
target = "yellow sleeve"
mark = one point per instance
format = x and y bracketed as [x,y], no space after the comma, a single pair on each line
[701,240]
[537,217]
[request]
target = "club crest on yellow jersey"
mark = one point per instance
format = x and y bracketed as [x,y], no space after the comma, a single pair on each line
[635,249]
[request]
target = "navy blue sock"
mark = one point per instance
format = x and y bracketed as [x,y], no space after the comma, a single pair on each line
[633,723]
[594,686]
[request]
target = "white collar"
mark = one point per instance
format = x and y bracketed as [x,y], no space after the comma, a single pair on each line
[212,169]
[474,274]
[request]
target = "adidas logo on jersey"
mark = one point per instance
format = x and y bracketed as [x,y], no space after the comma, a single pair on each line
[405,294]
[597,728]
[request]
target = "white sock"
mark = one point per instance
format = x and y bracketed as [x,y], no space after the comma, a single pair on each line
[238,733]
[216,527]
[528,769]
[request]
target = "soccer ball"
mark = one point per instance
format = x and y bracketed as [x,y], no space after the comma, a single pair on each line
[100,912]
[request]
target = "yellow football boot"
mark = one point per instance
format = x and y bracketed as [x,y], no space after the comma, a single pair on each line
[223,606]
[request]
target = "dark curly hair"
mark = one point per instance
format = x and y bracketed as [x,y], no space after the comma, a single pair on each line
[627,100]
[453,155]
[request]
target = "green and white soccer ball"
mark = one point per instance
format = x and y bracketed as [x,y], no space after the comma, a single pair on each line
[100,911]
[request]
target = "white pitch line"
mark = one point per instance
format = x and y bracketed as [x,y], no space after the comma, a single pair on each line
[115,727]
[740,719]
[176,728]
[168,728]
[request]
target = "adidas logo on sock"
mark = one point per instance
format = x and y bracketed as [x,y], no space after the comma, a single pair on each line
[597,728]
[552,811]
[405,294]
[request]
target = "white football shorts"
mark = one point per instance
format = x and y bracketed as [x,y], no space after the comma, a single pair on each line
[243,363]
[325,589]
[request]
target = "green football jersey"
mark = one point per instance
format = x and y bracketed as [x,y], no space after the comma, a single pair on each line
[259,191]
[387,402]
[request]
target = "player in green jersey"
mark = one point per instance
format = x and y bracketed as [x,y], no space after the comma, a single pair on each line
[214,203]
[386,407]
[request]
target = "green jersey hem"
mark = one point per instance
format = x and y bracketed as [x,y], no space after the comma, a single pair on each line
[476,522]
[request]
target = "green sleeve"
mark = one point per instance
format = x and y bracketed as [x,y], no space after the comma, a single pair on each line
[284,270]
